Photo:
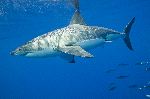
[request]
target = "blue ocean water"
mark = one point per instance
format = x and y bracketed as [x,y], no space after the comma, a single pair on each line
[114,73]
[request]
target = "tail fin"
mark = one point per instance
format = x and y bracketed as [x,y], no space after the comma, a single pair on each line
[127,31]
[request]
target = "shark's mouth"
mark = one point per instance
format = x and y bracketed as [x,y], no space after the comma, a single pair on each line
[15,53]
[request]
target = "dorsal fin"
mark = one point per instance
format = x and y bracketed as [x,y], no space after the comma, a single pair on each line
[77,19]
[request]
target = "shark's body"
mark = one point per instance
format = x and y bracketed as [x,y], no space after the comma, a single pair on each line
[74,40]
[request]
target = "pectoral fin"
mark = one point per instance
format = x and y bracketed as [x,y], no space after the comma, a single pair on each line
[76,51]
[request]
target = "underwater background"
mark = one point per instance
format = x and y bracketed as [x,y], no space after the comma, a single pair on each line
[115,72]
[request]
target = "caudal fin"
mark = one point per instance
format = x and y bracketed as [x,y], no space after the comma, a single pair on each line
[127,31]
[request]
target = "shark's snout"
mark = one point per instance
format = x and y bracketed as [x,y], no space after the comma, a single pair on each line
[12,53]
[18,51]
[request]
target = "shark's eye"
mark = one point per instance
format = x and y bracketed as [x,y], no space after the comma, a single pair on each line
[19,49]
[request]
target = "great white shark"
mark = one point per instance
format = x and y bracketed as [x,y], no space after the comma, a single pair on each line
[76,39]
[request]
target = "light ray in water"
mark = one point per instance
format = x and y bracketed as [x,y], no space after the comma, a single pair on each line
[123,64]
[110,70]
[122,77]
[133,86]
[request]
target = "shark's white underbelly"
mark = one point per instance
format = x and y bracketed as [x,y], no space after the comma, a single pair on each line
[42,53]
[90,44]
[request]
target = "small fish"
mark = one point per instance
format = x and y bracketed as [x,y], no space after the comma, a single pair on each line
[122,64]
[112,88]
[110,70]
[122,77]
[133,86]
